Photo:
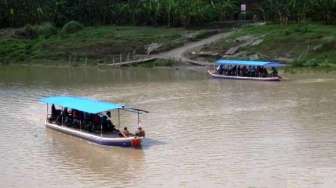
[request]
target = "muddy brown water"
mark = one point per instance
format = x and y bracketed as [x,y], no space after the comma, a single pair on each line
[201,132]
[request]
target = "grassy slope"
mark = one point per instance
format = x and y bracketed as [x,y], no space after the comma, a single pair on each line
[301,45]
[96,43]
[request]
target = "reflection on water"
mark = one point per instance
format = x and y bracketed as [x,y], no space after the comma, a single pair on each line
[202,132]
[92,161]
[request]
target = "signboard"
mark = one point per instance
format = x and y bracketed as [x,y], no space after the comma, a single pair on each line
[243,8]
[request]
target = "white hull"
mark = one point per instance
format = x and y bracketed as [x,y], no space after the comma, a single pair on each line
[276,78]
[110,141]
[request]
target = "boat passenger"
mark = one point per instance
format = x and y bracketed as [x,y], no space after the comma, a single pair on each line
[106,123]
[233,70]
[226,70]
[96,122]
[264,72]
[75,118]
[140,132]
[87,123]
[254,71]
[274,71]
[220,69]
[125,132]
[65,112]
[53,110]
[65,117]
[108,115]
[54,113]
[109,123]
[244,71]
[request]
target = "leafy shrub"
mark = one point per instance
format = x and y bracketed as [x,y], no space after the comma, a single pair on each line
[287,32]
[46,29]
[27,32]
[302,29]
[298,63]
[72,27]
[311,63]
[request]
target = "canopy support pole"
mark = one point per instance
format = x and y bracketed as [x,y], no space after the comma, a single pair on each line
[138,118]
[118,118]
[62,113]
[47,111]
[101,129]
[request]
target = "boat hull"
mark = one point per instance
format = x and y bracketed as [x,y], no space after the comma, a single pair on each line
[214,75]
[121,142]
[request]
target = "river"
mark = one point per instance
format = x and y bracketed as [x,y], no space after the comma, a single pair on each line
[201,132]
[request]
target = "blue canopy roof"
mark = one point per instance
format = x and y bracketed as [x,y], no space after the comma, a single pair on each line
[82,104]
[249,63]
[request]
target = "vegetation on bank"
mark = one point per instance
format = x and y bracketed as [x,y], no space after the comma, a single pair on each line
[17,13]
[105,12]
[300,45]
[74,43]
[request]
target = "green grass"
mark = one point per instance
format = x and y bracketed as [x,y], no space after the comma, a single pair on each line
[94,43]
[301,45]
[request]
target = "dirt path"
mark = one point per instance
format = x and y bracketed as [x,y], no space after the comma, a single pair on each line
[178,54]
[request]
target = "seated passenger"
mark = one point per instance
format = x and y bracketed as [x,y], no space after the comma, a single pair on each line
[220,69]
[244,71]
[54,113]
[65,116]
[125,132]
[96,120]
[75,118]
[65,112]
[109,123]
[108,114]
[264,72]
[140,132]
[274,72]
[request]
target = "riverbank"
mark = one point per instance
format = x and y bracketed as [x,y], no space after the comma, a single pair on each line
[308,46]
[93,45]
[299,45]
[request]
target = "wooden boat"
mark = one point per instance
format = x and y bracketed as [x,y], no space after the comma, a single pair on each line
[90,108]
[231,64]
